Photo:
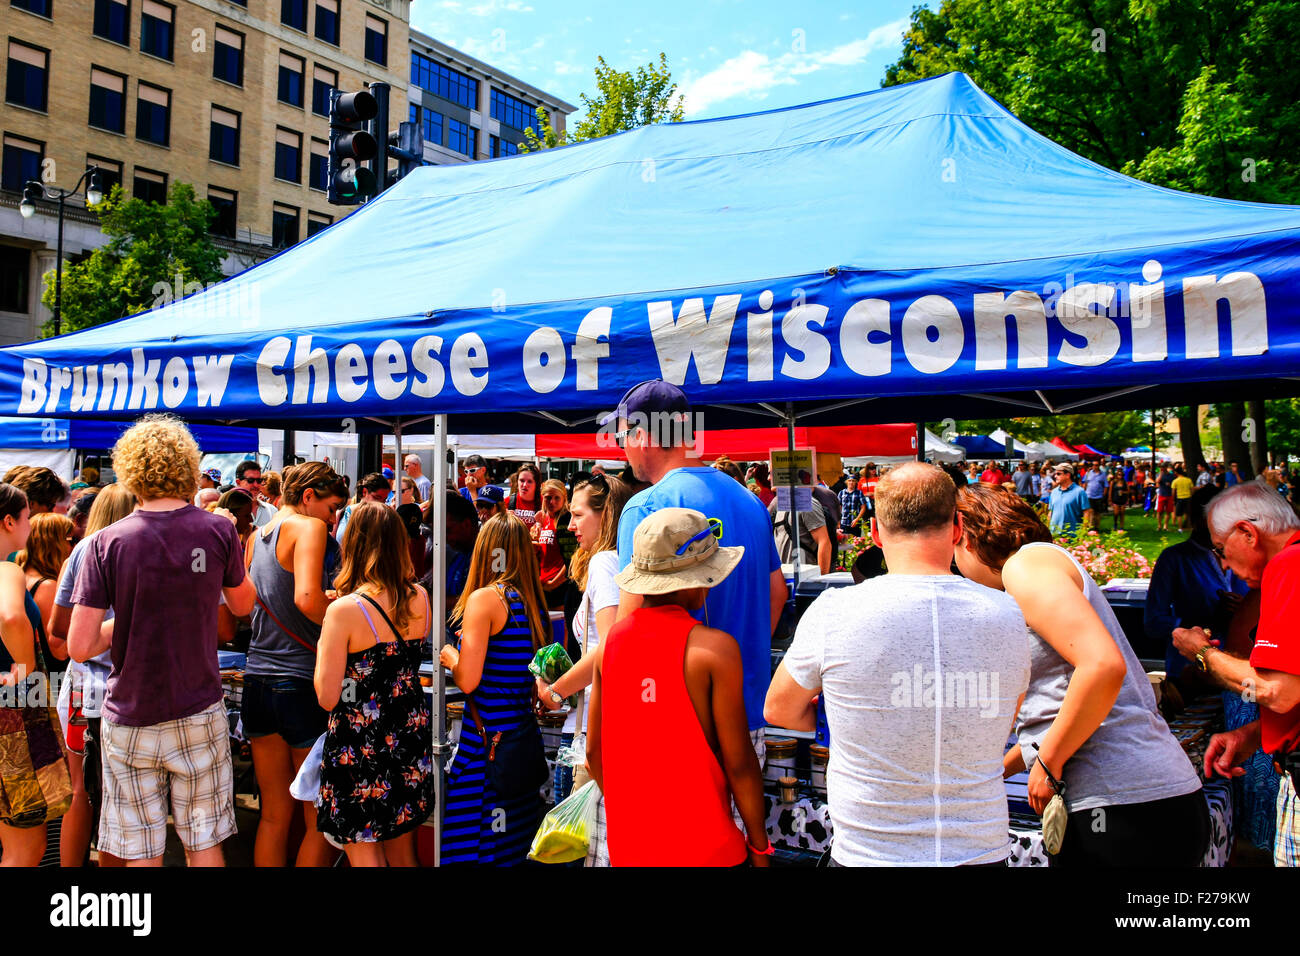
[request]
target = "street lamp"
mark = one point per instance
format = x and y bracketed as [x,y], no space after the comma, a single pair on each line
[34,191]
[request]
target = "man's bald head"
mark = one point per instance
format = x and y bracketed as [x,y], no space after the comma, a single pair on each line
[914,498]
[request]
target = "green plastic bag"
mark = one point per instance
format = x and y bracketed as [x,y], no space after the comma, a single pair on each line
[550,663]
[566,832]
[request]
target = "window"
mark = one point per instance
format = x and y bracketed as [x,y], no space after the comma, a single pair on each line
[284,226]
[316,221]
[323,81]
[291,69]
[110,172]
[21,162]
[28,80]
[39,7]
[228,56]
[327,21]
[15,278]
[440,80]
[293,13]
[223,140]
[153,114]
[288,155]
[112,20]
[107,100]
[376,40]
[156,29]
[225,203]
[462,137]
[513,111]
[432,125]
[318,174]
[499,147]
[150,186]
[414,115]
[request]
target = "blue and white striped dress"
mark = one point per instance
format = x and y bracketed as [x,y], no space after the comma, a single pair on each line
[477,827]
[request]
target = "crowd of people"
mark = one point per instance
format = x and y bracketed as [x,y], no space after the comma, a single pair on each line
[974,628]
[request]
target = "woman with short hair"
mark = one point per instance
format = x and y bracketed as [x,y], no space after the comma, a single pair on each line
[1089,718]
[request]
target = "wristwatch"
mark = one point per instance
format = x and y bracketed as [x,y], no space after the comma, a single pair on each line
[556,698]
[1201,655]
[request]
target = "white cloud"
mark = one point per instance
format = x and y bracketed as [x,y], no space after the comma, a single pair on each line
[566,68]
[753,74]
[489,8]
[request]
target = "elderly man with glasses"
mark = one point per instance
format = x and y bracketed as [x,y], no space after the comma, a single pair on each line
[1256,533]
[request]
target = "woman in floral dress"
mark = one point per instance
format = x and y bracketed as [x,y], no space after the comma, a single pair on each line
[377,765]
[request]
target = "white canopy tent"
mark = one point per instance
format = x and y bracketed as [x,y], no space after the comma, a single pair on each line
[1031,453]
[936,449]
[1052,452]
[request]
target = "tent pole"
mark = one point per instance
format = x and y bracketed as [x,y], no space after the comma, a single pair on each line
[397,458]
[920,441]
[794,508]
[437,617]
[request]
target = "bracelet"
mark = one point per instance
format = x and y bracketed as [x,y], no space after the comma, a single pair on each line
[768,852]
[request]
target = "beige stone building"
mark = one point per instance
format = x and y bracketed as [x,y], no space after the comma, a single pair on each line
[229,95]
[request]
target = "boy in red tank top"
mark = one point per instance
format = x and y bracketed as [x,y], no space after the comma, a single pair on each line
[661,675]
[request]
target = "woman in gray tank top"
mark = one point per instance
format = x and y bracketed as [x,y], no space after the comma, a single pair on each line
[1089,718]
[291,563]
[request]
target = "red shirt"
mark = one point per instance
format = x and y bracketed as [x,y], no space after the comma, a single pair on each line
[993,476]
[550,554]
[1276,646]
[870,487]
[645,709]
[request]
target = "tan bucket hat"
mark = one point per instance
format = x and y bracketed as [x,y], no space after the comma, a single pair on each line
[674,549]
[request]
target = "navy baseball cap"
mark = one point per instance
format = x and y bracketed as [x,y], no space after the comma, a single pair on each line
[648,397]
[491,493]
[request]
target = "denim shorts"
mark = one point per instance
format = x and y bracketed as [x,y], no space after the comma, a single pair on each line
[282,705]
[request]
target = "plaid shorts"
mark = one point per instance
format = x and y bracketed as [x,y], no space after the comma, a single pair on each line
[187,760]
[1286,845]
[597,847]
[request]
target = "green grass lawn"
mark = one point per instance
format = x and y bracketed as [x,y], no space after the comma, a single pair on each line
[1141,531]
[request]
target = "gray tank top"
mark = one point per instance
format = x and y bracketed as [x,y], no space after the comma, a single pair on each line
[271,651]
[1132,757]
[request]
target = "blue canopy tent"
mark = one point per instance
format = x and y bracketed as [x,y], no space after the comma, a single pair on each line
[898,254]
[88,435]
[982,446]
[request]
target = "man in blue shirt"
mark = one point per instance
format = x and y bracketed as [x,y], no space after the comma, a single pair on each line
[1095,484]
[1190,588]
[1068,502]
[748,603]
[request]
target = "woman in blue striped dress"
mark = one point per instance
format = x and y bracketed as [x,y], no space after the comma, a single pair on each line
[502,616]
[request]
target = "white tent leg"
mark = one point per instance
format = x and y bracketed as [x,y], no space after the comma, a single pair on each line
[438,601]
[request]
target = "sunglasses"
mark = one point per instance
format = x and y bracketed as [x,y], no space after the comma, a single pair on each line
[714,528]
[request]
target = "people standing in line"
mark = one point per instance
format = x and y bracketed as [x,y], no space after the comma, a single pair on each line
[34,783]
[272,490]
[415,471]
[751,599]
[545,533]
[1096,485]
[45,490]
[814,536]
[1182,487]
[1068,502]
[410,493]
[1089,718]
[489,503]
[1023,479]
[49,542]
[377,759]
[373,487]
[1118,495]
[291,562]
[165,731]
[911,781]
[697,676]
[462,532]
[88,683]
[525,503]
[597,507]
[1257,535]
[763,477]
[244,508]
[1165,499]
[79,513]
[503,621]
[248,476]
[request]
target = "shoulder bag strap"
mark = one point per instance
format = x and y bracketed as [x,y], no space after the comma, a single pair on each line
[276,621]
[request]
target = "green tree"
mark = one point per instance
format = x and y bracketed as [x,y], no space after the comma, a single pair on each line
[152,247]
[1107,431]
[1196,87]
[624,100]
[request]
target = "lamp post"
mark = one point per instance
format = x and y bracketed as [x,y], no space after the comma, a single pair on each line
[34,191]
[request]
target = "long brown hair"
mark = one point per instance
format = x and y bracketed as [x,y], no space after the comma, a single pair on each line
[375,553]
[606,495]
[997,523]
[504,557]
[316,475]
[47,545]
[113,503]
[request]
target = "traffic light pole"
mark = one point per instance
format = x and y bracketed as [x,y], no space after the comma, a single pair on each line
[378,128]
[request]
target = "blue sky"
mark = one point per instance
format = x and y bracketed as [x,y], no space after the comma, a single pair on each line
[727,56]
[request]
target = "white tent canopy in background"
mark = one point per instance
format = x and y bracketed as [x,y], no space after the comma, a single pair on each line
[1030,453]
[61,461]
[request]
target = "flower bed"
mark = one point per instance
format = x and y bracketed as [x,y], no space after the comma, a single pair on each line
[1105,556]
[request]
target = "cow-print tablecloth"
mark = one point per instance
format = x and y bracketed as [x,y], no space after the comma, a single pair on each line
[805,825]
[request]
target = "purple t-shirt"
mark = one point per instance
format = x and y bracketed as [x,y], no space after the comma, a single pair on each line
[162,572]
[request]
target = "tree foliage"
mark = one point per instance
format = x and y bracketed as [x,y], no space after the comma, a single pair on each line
[624,100]
[1190,96]
[1107,431]
[150,245]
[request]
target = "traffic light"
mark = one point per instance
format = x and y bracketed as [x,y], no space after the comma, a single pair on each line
[350,183]
[407,147]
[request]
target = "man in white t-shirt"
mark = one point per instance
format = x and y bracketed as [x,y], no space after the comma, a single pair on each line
[921,672]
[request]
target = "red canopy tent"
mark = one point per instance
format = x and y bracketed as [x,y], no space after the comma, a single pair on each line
[752,444]
[1061,443]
